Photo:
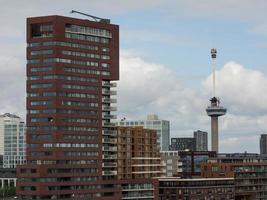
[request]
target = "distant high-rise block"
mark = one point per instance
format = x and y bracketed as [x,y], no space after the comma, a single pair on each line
[153,122]
[71,153]
[201,140]
[263,144]
[12,140]
[182,144]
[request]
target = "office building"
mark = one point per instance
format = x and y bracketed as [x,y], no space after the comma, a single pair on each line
[191,162]
[196,189]
[153,122]
[183,144]
[172,164]
[71,151]
[263,144]
[12,140]
[201,140]
[138,154]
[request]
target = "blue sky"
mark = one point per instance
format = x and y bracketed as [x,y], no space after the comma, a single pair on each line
[165,61]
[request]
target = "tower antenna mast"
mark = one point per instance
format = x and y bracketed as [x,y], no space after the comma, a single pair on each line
[213,56]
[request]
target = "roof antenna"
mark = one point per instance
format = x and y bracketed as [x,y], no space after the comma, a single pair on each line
[96,19]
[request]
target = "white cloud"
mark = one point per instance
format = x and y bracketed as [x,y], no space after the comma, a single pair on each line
[243,91]
[13,81]
[242,143]
[147,87]
[152,88]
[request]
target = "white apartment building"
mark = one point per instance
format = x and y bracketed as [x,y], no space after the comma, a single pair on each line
[153,122]
[12,140]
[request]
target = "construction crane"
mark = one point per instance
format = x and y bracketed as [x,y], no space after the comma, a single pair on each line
[97,19]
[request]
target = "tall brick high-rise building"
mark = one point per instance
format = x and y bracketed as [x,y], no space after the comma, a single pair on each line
[71,142]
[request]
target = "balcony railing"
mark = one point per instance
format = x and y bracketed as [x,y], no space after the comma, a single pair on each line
[109,92]
[109,132]
[108,172]
[109,164]
[109,149]
[108,124]
[111,157]
[109,140]
[108,100]
[109,84]
[105,116]
[109,108]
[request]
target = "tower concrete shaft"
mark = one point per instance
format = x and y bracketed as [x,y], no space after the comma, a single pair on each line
[214,134]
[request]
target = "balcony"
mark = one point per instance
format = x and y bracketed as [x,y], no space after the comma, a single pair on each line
[109,173]
[109,92]
[108,100]
[109,149]
[109,157]
[108,124]
[109,164]
[109,133]
[106,84]
[109,140]
[109,116]
[109,108]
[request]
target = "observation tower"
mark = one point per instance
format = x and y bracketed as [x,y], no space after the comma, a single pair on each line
[215,110]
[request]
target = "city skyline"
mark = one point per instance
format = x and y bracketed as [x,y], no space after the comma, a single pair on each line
[162,50]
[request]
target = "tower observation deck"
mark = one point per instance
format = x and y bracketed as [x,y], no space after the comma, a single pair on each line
[215,110]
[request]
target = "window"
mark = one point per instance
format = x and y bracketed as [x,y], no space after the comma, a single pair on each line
[88,30]
[41,103]
[78,103]
[79,120]
[41,69]
[41,30]
[33,94]
[87,38]
[64,44]
[69,61]
[81,71]
[105,57]
[105,49]
[41,85]
[80,54]
[70,145]
[104,65]
[41,136]
[79,87]
[41,52]
[34,44]
[33,61]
